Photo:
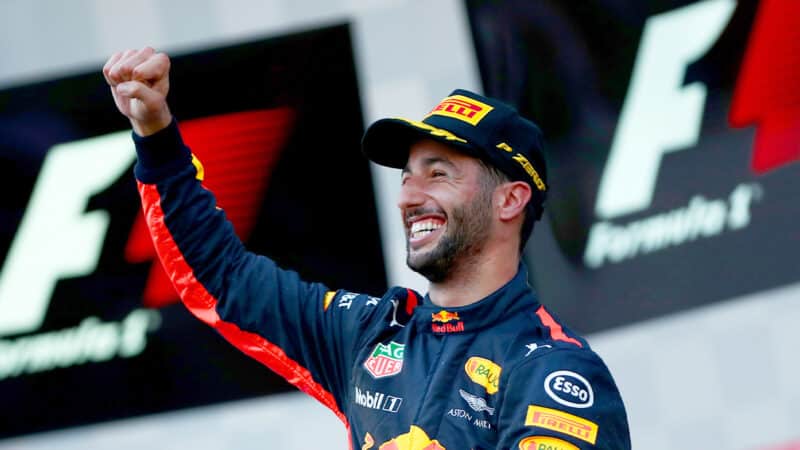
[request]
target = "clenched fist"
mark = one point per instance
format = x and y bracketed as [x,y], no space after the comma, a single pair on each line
[139,81]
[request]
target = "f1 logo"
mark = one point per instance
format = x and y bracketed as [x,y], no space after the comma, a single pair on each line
[57,237]
[659,115]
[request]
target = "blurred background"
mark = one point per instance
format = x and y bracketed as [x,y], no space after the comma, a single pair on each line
[670,237]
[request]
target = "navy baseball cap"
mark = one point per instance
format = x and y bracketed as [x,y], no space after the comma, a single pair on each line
[479,126]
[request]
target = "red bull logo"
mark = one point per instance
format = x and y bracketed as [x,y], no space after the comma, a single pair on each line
[444,316]
[462,108]
[457,327]
[415,439]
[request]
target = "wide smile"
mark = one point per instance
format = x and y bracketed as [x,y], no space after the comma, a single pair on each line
[423,231]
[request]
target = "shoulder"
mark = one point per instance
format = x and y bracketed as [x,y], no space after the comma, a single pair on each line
[558,360]
[565,384]
[560,368]
[396,305]
[551,364]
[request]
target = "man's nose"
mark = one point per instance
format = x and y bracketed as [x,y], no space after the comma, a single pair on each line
[411,194]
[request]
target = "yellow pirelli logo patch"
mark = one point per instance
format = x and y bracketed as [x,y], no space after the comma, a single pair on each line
[559,421]
[326,301]
[462,108]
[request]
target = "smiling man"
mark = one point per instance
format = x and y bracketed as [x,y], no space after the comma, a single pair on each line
[476,363]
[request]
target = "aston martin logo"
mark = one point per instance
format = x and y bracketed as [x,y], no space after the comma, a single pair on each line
[476,403]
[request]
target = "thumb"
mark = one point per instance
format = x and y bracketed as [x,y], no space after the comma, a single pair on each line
[140,91]
[151,113]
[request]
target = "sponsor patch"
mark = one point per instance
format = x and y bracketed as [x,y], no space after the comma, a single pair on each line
[532,347]
[346,300]
[444,316]
[457,327]
[377,400]
[200,174]
[462,108]
[476,422]
[449,322]
[326,301]
[559,421]
[545,443]
[478,404]
[386,360]
[569,389]
[415,439]
[369,442]
[483,372]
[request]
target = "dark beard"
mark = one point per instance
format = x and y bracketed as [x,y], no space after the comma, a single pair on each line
[467,231]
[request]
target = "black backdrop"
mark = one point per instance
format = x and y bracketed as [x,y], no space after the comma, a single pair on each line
[319,203]
[569,67]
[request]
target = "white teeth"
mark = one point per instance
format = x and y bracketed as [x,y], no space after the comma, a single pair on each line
[423,227]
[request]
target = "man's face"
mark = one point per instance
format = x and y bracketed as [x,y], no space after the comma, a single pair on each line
[446,208]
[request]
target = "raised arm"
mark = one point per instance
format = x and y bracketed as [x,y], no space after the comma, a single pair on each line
[268,313]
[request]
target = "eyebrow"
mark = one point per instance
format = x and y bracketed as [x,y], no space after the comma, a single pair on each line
[427,162]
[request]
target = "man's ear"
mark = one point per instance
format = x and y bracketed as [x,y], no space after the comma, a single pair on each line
[511,199]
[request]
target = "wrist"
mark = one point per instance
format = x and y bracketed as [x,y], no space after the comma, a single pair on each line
[150,127]
[160,154]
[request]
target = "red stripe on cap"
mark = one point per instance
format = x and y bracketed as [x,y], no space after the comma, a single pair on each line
[556,332]
[203,305]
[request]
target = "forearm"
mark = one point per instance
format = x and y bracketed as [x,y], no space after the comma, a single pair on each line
[267,312]
[192,236]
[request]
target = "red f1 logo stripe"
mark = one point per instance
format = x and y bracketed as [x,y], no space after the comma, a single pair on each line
[768,90]
[239,151]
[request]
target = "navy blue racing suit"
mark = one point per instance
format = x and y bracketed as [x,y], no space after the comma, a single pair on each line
[399,371]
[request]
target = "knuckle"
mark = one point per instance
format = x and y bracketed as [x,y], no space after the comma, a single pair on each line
[110,62]
[162,59]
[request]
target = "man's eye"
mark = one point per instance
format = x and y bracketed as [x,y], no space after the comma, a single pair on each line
[438,173]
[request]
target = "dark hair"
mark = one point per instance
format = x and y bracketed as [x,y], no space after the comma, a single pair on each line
[495,178]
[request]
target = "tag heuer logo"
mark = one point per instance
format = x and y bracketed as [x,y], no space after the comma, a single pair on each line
[386,360]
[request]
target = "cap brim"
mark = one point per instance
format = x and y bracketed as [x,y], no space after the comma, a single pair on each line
[387,141]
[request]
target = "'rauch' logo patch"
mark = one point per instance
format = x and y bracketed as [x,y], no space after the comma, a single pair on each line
[545,443]
[484,372]
[386,360]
